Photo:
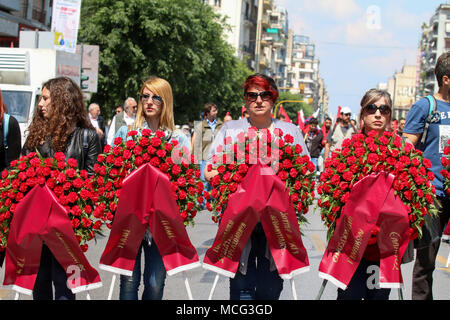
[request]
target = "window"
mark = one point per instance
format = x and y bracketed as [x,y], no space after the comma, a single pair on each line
[218,3]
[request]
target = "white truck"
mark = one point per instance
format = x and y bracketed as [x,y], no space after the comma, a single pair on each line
[22,73]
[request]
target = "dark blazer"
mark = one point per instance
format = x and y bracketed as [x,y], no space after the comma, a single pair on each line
[14,141]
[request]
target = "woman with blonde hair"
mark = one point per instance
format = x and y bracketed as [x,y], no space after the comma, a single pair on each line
[155,112]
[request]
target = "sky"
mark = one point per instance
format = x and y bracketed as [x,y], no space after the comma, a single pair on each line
[359,43]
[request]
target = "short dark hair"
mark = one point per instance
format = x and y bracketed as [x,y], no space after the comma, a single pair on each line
[207,108]
[313,121]
[442,67]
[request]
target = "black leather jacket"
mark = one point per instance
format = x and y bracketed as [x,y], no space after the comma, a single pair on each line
[74,149]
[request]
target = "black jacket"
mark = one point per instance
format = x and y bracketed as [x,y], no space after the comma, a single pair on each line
[14,142]
[74,149]
[314,143]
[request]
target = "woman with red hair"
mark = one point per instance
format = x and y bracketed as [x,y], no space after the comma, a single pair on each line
[257,276]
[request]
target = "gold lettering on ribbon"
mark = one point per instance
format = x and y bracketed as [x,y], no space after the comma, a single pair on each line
[278,233]
[168,229]
[228,227]
[123,238]
[343,239]
[356,246]
[20,264]
[69,251]
[395,239]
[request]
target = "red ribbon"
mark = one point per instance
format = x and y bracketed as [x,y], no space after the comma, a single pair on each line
[39,218]
[392,240]
[261,196]
[446,235]
[372,202]
[146,200]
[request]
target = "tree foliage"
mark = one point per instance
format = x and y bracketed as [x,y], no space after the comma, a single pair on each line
[293,107]
[178,40]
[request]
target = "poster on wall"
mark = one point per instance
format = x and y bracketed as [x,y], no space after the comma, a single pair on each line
[65,22]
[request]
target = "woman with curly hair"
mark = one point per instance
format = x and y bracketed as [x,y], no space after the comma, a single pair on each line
[60,124]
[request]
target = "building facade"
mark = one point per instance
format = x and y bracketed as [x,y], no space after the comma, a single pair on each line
[434,41]
[22,15]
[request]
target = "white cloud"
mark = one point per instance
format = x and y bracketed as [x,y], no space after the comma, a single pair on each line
[336,9]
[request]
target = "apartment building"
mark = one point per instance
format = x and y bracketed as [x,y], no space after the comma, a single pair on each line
[22,15]
[434,41]
[402,88]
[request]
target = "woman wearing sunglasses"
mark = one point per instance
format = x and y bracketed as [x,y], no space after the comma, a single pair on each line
[154,112]
[375,114]
[257,276]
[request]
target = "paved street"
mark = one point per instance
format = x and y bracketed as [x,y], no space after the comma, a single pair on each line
[307,285]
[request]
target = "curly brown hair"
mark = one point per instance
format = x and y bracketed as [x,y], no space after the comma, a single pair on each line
[67,113]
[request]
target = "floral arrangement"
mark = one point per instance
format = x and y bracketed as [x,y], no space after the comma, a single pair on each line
[70,186]
[362,155]
[117,162]
[445,161]
[233,160]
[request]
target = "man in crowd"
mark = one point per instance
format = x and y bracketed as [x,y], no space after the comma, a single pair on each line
[401,126]
[432,147]
[313,141]
[98,122]
[124,118]
[341,131]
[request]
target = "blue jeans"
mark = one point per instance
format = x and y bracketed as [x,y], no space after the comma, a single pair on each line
[202,175]
[50,271]
[315,161]
[259,283]
[154,275]
[358,288]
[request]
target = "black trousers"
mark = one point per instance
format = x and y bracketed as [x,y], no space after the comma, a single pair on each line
[427,249]
[51,272]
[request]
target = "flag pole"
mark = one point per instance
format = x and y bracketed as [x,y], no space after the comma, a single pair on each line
[294,292]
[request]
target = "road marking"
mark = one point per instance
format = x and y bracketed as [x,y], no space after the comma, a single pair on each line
[317,243]
[443,261]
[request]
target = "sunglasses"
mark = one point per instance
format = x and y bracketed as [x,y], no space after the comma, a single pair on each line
[346,114]
[156,99]
[265,96]
[372,109]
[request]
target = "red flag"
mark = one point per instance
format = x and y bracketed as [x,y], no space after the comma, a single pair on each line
[358,218]
[301,119]
[284,113]
[39,218]
[261,196]
[146,201]
[242,111]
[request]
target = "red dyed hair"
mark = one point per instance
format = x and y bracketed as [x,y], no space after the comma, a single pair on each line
[264,82]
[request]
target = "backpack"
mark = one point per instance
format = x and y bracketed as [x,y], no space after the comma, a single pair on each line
[5,136]
[433,116]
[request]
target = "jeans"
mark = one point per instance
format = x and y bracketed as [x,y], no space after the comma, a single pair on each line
[51,271]
[259,282]
[202,175]
[362,285]
[154,275]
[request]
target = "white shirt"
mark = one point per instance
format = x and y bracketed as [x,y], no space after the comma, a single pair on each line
[112,132]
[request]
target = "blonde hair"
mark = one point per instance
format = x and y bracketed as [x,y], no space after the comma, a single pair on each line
[163,89]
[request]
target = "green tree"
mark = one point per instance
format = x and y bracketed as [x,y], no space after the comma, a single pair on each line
[293,107]
[179,40]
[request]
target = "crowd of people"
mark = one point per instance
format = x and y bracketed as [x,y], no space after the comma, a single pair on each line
[62,123]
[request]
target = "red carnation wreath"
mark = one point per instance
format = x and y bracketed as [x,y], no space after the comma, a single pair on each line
[362,155]
[445,161]
[70,186]
[117,162]
[234,159]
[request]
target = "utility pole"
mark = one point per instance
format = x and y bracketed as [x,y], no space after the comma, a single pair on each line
[258,34]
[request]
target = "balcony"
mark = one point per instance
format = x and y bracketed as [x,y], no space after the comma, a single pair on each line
[263,62]
[267,4]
